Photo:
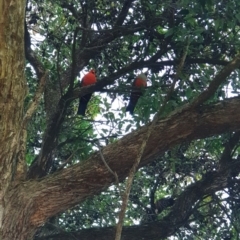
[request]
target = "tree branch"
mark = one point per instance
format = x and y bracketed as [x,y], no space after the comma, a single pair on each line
[169,224]
[122,15]
[76,183]
[217,81]
[34,104]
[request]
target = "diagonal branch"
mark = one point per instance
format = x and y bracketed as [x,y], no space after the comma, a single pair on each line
[177,218]
[35,101]
[123,14]
[217,81]
[76,183]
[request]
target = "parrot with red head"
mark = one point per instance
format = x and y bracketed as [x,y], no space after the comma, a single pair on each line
[139,83]
[87,80]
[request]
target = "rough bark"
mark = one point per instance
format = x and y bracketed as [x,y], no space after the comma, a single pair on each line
[168,225]
[52,194]
[12,93]
[180,212]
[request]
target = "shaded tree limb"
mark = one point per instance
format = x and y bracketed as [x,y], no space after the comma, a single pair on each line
[123,14]
[76,183]
[35,101]
[229,147]
[35,63]
[217,81]
[21,167]
[168,225]
[106,81]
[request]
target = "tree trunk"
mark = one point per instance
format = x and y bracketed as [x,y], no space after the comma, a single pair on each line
[12,93]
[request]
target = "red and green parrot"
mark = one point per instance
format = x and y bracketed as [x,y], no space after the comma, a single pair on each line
[139,83]
[87,80]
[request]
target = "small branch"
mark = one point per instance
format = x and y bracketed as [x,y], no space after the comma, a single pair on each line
[122,15]
[68,160]
[153,190]
[73,61]
[106,165]
[36,99]
[35,63]
[226,157]
[227,214]
[59,73]
[217,81]
[179,70]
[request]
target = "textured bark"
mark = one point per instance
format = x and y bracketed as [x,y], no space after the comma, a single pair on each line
[73,185]
[166,227]
[12,93]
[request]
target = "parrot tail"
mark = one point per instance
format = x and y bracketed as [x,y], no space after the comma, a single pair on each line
[130,108]
[133,101]
[83,101]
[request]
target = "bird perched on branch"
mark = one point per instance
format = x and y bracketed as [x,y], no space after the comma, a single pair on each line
[139,83]
[87,80]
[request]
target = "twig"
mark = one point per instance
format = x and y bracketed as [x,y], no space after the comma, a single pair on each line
[217,81]
[229,217]
[226,157]
[106,165]
[66,161]
[73,70]
[36,99]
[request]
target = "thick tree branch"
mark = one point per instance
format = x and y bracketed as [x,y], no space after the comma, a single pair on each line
[122,15]
[166,227]
[180,212]
[106,81]
[74,184]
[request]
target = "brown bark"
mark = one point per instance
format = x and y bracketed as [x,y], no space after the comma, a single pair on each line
[12,93]
[169,224]
[46,197]
[180,212]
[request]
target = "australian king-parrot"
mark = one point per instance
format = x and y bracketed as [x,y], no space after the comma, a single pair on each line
[88,79]
[137,91]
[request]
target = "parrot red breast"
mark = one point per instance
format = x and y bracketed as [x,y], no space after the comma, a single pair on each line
[88,79]
[139,83]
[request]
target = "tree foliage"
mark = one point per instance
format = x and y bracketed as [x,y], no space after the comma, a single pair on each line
[66,172]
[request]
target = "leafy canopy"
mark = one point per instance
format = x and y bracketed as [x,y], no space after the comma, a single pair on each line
[121,39]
